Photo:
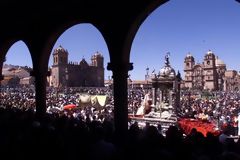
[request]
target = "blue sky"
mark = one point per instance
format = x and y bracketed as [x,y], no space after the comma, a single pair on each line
[178,27]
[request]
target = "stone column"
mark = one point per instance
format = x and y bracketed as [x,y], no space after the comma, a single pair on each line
[154,96]
[177,96]
[40,47]
[2,60]
[1,77]
[160,96]
[170,97]
[120,88]
[177,92]
[40,91]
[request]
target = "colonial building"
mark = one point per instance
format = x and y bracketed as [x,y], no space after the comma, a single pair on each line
[82,74]
[206,75]
[16,75]
[231,80]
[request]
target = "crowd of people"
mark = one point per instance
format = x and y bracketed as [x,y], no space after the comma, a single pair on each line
[88,132]
[56,136]
[222,108]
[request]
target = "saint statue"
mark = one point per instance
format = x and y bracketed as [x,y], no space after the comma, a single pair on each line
[167,58]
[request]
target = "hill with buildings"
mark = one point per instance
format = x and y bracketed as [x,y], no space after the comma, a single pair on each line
[15,75]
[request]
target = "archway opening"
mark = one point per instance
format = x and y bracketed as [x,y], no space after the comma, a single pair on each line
[186,30]
[17,87]
[78,70]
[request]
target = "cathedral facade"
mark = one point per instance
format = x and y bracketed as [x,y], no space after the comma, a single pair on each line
[206,75]
[73,74]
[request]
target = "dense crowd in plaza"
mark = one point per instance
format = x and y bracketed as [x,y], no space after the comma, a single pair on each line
[88,132]
[221,108]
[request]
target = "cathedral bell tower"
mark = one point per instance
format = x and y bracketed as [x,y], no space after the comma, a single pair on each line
[210,71]
[189,63]
[98,62]
[60,66]
[60,56]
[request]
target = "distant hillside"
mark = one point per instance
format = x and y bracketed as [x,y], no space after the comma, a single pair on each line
[15,70]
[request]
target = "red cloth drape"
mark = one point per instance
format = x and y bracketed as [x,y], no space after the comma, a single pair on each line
[204,127]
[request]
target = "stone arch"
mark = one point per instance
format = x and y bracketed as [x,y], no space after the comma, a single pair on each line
[126,32]
[62,29]
[5,47]
[77,28]
[118,24]
[20,42]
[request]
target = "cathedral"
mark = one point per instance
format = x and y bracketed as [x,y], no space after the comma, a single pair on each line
[210,74]
[73,74]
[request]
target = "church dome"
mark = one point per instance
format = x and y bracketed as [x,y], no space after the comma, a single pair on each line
[167,71]
[219,62]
